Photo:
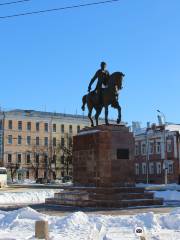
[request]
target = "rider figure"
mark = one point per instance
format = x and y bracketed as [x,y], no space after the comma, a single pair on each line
[103,77]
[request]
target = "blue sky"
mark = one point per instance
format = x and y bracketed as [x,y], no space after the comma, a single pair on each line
[48,60]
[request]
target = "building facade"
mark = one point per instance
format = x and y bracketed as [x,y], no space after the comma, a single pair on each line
[36,144]
[1,136]
[157,154]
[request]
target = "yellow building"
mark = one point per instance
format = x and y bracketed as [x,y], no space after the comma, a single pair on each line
[36,144]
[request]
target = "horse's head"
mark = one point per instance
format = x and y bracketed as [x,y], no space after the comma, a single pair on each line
[116,80]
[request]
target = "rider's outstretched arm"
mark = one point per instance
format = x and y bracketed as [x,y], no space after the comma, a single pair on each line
[92,81]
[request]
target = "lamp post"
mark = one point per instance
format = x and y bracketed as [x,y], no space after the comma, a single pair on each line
[165,167]
[147,157]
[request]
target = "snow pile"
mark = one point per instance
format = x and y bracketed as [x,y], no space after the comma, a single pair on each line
[171,186]
[27,181]
[19,225]
[88,132]
[168,195]
[23,181]
[26,197]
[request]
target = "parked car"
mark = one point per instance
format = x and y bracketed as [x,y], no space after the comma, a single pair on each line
[42,181]
[66,179]
[3,177]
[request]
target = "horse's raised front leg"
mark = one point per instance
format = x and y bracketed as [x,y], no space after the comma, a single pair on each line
[106,115]
[118,107]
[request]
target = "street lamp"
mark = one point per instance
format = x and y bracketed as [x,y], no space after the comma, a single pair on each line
[165,167]
[163,115]
[147,157]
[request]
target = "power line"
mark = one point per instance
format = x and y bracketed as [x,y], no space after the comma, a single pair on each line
[59,9]
[14,2]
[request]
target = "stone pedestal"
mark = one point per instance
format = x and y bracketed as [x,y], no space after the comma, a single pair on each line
[103,171]
[103,157]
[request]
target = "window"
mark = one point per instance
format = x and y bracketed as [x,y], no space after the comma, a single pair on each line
[143,149]
[70,129]
[136,150]
[158,168]
[46,127]
[9,158]
[37,126]
[28,158]
[19,140]
[54,127]
[54,159]
[143,168]
[170,168]
[9,139]
[70,142]
[37,158]
[19,158]
[62,128]
[151,168]
[27,174]
[19,125]
[29,126]
[54,142]
[62,142]
[78,128]
[151,148]
[158,147]
[62,159]
[169,146]
[28,140]
[137,168]
[122,153]
[10,124]
[37,141]
[46,141]
[1,124]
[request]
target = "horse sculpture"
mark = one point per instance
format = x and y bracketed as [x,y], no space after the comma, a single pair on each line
[109,97]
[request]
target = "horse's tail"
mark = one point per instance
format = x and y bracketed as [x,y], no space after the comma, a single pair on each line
[84,101]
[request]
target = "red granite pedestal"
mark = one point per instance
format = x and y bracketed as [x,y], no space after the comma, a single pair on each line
[103,157]
[103,171]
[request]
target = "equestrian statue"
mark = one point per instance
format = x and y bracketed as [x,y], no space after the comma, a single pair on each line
[106,93]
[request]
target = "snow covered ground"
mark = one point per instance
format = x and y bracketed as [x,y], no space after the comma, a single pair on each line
[168,195]
[19,225]
[34,196]
[29,196]
[172,186]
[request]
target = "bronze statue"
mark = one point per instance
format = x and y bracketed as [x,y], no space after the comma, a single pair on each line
[105,94]
[103,77]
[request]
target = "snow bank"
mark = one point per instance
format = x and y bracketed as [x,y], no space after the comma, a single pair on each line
[19,225]
[172,186]
[24,181]
[168,195]
[88,132]
[26,197]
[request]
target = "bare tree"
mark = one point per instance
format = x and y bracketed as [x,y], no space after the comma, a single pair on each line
[66,158]
[13,169]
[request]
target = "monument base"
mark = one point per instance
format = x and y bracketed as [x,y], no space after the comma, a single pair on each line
[103,171]
[99,197]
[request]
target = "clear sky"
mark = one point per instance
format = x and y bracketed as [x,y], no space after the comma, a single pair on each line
[47,60]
